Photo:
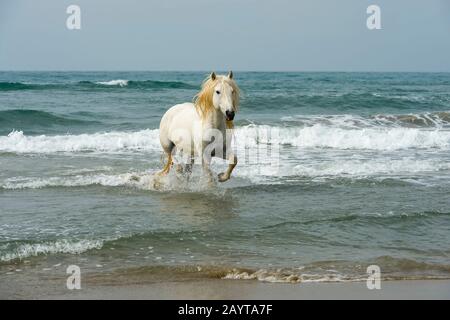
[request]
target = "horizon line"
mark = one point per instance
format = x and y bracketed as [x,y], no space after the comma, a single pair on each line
[234,70]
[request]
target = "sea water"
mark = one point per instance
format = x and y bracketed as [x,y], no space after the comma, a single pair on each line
[362,178]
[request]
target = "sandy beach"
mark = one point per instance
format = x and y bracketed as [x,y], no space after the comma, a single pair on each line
[242,289]
[220,289]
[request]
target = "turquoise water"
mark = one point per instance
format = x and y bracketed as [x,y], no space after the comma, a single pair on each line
[363,178]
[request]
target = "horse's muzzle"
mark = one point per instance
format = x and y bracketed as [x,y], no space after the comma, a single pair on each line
[229,115]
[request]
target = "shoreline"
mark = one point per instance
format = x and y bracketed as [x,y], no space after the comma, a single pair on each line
[49,283]
[216,289]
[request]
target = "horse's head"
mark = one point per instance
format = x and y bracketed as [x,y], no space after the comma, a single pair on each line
[220,93]
[225,95]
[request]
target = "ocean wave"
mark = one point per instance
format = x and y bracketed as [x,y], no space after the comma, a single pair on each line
[263,275]
[393,268]
[315,136]
[347,121]
[71,181]
[369,167]
[23,251]
[291,276]
[385,218]
[143,84]
[340,101]
[117,83]
[20,86]
[378,170]
[147,181]
[321,271]
[345,271]
[34,118]
[10,86]
[17,142]
[404,171]
[323,136]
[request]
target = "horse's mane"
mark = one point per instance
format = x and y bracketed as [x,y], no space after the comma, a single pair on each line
[203,101]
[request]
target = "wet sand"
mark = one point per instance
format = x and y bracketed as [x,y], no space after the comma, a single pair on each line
[242,289]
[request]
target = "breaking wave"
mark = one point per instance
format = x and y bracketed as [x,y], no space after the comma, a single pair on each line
[60,246]
[119,82]
[74,181]
[18,142]
[346,121]
[145,84]
[315,136]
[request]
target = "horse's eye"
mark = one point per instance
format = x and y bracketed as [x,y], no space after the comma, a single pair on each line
[218,92]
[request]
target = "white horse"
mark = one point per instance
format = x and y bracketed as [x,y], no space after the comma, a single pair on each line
[200,128]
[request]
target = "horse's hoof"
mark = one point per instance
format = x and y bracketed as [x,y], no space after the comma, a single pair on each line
[223,177]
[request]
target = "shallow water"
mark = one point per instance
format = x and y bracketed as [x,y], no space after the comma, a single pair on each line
[363,178]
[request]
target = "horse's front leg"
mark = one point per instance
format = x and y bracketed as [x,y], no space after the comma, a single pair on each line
[206,163]
[232,162]
[208,173]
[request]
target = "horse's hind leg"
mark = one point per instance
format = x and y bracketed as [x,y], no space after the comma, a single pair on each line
[168,165]
[189,166]
[186,168]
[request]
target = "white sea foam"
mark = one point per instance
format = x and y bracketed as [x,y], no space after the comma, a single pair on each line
[316,136]
[262,275]
[60,246]
[118,82]
[139,180]
[379,168]
[126,179]
[18,142]
[350,121]
[311,169]
[322,136]
[369,167]
[287,276]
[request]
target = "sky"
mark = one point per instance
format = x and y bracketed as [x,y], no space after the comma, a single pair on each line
[242,35]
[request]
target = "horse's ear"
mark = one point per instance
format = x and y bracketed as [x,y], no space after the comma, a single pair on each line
[213,76]
[230,74]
